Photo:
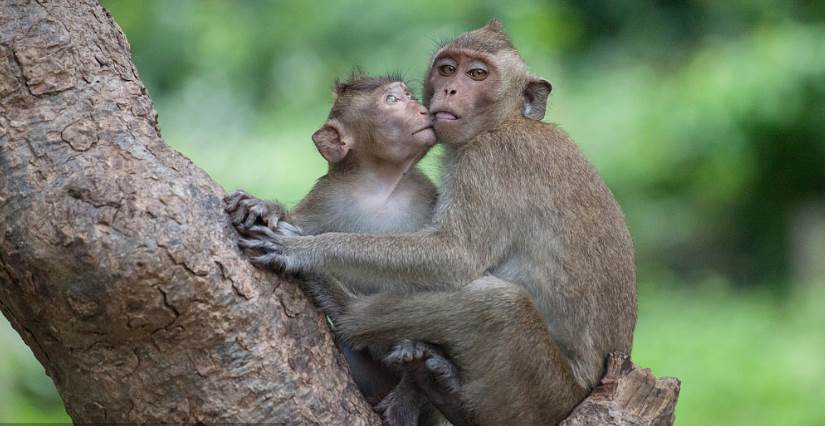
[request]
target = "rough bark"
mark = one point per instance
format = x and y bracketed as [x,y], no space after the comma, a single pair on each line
[120,271]
[628,396]
[117,264]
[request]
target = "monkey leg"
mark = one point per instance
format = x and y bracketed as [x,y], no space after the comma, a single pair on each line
[403,406]
[374,380]
[512,370]
[392,392]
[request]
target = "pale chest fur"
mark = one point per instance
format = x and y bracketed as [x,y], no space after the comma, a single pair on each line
[404,210]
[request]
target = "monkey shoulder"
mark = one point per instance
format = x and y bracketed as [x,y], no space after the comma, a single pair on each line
[425,190]
[548,135]
[552,147]
[527,149]
[316,212]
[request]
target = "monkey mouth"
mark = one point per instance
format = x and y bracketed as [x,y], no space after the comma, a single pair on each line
[445,116]
[429,126]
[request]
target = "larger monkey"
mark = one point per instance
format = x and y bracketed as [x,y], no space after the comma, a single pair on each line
[526,276]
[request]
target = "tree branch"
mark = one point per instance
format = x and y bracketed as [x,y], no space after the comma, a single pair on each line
[628,396]
[117,264]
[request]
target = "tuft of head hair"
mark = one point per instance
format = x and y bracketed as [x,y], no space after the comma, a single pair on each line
[359,83]
[490,38]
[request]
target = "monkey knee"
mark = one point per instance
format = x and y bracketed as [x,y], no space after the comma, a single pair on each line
[488,283]
[361,321]
[499,293]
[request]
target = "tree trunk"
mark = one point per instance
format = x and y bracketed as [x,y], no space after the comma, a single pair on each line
[118,266]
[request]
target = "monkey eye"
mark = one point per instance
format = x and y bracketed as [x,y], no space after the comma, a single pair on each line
[446,70]
[477,74]
[391,99]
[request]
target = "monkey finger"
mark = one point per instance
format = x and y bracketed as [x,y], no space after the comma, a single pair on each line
[237,217]
[259,244]
[252,216]
[271,219]
[259,237]
[272,260]
[248,206]
[240,211]
[263,230]
[233,199]
[249,244]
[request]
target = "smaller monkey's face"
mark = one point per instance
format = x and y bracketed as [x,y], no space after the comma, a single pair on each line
[462,89]
[402,128]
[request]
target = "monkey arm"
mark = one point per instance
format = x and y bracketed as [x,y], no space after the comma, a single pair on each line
[420,260]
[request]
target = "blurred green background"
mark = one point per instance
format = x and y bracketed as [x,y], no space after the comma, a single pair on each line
[705,119]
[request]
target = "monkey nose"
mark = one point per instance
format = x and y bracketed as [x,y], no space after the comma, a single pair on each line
[449,91]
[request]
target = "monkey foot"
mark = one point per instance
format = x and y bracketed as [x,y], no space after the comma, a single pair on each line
[398,409]
[425,361]
[444,372]
[407,351]
[401,407]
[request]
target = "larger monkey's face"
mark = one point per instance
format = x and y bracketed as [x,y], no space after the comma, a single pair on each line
[462,90]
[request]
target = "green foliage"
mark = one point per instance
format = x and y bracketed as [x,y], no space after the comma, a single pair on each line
[744,357]
[27,395]
[705,119]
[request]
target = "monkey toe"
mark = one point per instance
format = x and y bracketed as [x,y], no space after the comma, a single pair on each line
[406,352]
[445,373]
[233,199]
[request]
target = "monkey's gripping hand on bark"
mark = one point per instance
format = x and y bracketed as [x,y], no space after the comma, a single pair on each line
[246,211]
[267,247]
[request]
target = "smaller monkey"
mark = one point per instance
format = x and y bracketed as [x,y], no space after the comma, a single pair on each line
[375,133]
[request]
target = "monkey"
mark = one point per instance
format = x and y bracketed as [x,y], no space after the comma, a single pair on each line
[526,275]
[375,133]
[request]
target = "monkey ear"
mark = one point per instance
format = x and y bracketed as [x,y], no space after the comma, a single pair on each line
[332,141]
[535,98]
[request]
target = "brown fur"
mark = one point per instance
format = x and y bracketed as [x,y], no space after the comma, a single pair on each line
[526,275]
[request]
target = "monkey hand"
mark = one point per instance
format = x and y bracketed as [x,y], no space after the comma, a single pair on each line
[246,211]
[270,249]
